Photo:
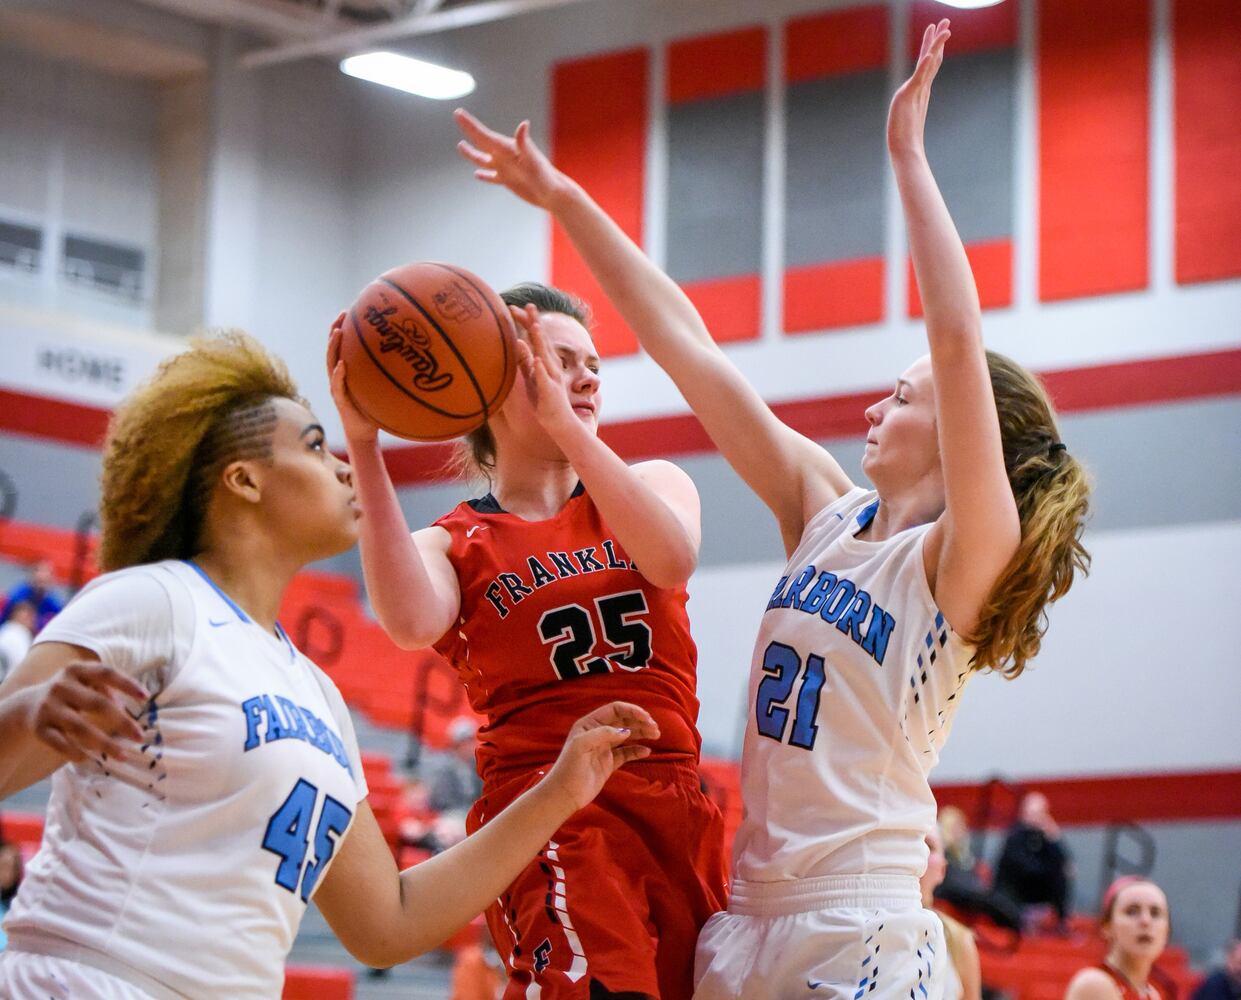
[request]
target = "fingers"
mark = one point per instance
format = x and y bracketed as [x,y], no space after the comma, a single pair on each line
[478,133]
[334,339]
[623,755]
[475,156]
[623,715]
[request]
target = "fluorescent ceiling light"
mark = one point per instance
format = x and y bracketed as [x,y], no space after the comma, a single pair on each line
[970,4]
[410,75]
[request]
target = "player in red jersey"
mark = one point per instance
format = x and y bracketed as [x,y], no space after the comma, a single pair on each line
[559,589]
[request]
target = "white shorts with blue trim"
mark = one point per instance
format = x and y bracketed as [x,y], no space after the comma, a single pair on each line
[840,937]
[27,976]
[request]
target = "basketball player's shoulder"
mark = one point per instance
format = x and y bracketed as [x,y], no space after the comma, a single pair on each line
[1092,984]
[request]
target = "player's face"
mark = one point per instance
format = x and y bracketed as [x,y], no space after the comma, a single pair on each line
[570,344]
[1139,924]
[308,495]
[902,446]
[579,364]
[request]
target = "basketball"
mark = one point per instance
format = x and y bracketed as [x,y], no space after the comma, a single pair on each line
[430,351]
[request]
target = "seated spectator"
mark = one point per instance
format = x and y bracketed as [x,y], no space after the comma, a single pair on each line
[1135,923]
[39,590]
[1034,864]
[1224,983]
[964,970]
[965,885]
[452,784]
[16,636]
[10,878]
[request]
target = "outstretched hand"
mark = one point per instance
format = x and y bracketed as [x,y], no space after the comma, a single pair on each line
[358,427]
[81,712]
[907,114]
[596,746]
[514,162]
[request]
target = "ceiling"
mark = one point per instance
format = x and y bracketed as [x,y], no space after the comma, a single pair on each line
[285,30]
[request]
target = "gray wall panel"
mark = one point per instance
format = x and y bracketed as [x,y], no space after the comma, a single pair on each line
[715,186]
[836,165]
[970,141]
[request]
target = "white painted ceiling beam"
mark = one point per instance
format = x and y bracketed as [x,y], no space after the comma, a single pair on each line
[416,24]
[282,22]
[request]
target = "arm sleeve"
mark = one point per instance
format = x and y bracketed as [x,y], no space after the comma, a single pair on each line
[126,619]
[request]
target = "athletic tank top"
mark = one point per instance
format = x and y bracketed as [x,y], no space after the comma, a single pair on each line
[855,680]
[555,621]
[1127,991]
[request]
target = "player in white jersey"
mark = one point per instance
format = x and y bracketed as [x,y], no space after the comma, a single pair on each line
[890,598]
[206,778]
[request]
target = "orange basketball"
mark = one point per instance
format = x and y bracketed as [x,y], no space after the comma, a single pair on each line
[430,351]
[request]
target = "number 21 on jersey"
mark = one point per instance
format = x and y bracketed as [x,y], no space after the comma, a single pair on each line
[779,689]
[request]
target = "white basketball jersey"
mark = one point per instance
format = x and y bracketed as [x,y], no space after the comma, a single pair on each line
[187,868]
[855,679]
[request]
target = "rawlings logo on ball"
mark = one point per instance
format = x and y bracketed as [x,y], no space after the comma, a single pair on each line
[455,302]
[411,344]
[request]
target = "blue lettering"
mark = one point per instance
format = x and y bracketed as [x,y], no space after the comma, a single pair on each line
[793,597]
[851,622]
[275,728]
[251,708]
[877,633]
[822,587]
[777,594]
[839,599]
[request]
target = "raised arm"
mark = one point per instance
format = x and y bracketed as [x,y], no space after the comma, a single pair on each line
[791,474]
[384,917]
[652,507]
[409,579]
[979,531]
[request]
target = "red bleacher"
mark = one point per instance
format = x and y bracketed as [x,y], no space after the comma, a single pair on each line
[324,616]
[315,982]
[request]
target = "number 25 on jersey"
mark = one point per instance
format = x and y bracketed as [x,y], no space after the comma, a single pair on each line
[572,634]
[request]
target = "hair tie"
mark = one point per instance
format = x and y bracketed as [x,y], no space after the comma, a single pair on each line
[1056,446]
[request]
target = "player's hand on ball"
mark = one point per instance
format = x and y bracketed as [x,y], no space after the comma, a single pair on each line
[357,427]
[514,162]
[907,114]
[541,373]
[596,746]
[81,711]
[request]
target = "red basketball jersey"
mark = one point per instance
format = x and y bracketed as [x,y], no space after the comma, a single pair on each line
[555,622]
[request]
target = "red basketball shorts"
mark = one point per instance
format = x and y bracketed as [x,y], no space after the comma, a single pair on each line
[619,894]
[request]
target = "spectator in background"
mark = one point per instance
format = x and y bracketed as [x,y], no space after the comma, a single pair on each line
[451,785]
[1135,924]
[966,884]
[16,635]
[1224,983]
[39,590]
[963,967]
[10,878]
[1034,864]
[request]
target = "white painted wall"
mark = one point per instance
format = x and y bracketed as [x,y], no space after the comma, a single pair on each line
[1139,670]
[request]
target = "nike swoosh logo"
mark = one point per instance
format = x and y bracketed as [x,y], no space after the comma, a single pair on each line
[215,624]
[470,530]
[814,984]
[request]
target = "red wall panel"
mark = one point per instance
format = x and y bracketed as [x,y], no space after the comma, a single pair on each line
[1207,113]
[598,137]
[1094,159]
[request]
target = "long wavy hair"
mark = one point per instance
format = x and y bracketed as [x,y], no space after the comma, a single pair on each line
[1053,498]
[168,442]
[475,457]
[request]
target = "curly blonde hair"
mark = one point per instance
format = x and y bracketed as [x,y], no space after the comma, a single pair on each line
[168,442]
[1053,497]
